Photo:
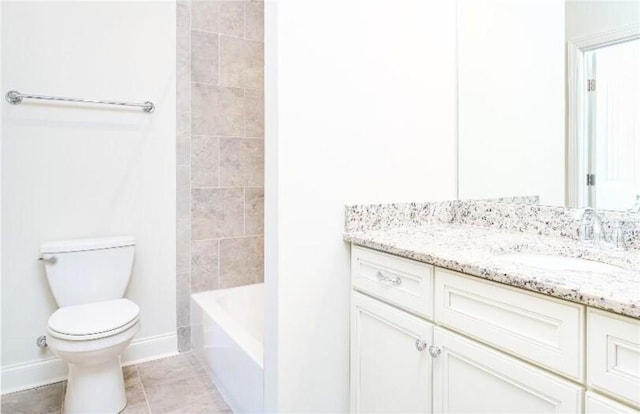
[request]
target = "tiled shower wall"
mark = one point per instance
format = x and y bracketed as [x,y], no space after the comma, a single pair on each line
[220,149]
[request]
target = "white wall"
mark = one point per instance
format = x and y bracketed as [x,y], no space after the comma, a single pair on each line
[74,171]
[586,17]
[365,94]
[511,99]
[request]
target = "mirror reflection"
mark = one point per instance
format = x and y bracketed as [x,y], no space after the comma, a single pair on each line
[549,101]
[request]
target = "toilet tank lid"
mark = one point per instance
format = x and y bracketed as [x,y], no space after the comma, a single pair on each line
[79,245]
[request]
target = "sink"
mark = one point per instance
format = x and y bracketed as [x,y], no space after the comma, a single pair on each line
[553,262]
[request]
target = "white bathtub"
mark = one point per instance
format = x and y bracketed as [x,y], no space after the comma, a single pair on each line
[227,334]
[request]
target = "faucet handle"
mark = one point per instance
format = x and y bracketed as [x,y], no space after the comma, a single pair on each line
[583,213]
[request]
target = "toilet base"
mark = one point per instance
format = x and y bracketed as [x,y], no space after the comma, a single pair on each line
[95,388]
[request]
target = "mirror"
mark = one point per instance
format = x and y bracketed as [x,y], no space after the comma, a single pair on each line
[549,101]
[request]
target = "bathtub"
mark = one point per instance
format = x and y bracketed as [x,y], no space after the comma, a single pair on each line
[227,336]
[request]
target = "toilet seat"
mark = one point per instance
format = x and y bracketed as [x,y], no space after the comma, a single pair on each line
[93,320]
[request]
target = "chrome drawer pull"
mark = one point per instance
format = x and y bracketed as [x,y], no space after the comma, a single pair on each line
[421,344]
[434,351]
[395,281]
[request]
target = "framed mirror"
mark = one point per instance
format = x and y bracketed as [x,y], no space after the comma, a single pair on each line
[549,101]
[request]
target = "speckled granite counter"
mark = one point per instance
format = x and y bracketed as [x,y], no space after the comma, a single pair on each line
[479,251]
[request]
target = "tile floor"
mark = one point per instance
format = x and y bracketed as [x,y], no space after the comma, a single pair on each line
[177,384]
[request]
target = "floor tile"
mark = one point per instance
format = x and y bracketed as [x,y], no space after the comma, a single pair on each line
[176,384]
[46,399]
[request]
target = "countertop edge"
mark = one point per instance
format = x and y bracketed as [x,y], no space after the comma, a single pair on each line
[506,279]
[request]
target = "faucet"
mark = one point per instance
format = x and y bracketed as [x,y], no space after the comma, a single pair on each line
[591,231]
[636,206]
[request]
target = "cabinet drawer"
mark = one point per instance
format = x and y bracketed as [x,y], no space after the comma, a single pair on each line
[597,404]
[613,354]
[545,331]
[402,282]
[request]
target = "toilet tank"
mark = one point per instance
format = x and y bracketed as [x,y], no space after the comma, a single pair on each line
[88,270]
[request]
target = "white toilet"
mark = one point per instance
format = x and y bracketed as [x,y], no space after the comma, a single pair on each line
[94,324]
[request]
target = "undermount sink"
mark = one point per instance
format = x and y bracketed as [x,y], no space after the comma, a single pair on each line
[553,262]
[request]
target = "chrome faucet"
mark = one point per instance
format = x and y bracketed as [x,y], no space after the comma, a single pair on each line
[636,206]
[591,231]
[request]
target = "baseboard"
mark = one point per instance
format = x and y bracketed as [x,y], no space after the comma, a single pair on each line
[31,374]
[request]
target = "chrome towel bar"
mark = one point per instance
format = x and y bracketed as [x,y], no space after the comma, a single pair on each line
[16,97]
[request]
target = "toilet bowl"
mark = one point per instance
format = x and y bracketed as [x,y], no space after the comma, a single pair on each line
[94,323]
[90,338]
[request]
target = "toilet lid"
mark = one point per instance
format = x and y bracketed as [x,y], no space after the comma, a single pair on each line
[93,318]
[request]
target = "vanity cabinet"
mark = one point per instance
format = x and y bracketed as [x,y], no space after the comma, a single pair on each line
[425,339]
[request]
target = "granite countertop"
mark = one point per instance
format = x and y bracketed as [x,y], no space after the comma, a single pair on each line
[478,251]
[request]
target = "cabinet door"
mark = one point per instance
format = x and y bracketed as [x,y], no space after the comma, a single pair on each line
[390,362]
[472,378]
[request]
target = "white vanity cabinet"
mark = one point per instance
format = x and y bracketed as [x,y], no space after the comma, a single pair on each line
[430,340]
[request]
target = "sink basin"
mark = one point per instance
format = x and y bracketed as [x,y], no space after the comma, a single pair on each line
[553,262]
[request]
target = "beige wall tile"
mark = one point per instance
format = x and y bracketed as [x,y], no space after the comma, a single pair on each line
[241,261]
[204,15]
[183,150]
[183,245]
[204,252]
[217,110]
[183,188]
[183,299]
[204,265]
[183,70]
[254,75]
[183,94]
[204,161]
[203,278]
[183,14]
[231,18]
[233,61]
[254,113]
[183,123]
[217,212]
[204,57]
[184,342]
[254,210]
[241,162]
[254,21]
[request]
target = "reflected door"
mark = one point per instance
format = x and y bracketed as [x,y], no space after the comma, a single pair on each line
[613,108]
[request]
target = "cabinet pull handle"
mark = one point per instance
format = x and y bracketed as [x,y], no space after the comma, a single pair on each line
[434,351]
[395,281]
[421,344]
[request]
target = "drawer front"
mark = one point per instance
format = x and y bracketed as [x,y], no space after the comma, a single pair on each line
[544,331]
[595,403]
[405,283]
[613,354]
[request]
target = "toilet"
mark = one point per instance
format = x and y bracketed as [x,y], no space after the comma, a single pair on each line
[94,323]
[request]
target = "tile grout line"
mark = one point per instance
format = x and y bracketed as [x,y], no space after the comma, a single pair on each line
[144,391]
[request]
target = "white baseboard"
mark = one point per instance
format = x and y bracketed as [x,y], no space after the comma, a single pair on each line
[18,377]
